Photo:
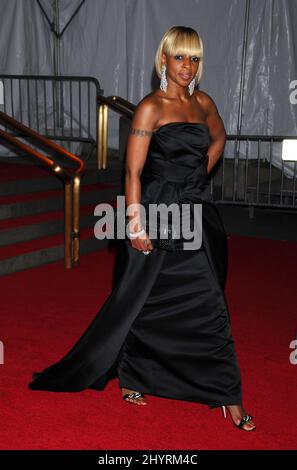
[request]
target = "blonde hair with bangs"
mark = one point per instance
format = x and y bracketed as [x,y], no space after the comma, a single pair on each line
[180,40]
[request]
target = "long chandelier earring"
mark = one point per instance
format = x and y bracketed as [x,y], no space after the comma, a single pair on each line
[163,82]
[191,86]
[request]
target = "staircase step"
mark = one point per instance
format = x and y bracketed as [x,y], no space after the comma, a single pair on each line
[38,244]
[42,225]
[49,250]
[32,213]
[47,201]
[48,194]
[13,171]
[20,179]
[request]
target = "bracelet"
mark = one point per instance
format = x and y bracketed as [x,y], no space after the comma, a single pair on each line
[136,234]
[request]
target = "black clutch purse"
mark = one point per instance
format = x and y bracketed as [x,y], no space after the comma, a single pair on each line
[169,234]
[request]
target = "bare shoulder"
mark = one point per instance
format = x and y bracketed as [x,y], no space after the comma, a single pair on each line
[213,119]
[146,115]
[206,102]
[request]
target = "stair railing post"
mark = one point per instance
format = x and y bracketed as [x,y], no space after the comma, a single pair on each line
[68,224]
[102,136]
[100,144]
[76,221]
[105,136]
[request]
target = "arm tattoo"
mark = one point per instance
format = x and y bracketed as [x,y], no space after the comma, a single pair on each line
[140,132]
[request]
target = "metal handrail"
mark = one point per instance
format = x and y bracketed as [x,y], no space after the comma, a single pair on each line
[70,96]
[40,138]
[119,105]
[70,179]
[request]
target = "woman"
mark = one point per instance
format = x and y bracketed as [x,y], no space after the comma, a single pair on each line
[165,329]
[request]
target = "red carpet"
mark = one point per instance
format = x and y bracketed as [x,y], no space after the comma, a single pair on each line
[45,310]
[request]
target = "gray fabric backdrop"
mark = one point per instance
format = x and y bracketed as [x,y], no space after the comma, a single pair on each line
[116,40]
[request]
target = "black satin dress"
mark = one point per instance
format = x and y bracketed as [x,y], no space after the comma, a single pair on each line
[165,328]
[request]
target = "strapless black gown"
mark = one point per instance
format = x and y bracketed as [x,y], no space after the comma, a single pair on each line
[165,328]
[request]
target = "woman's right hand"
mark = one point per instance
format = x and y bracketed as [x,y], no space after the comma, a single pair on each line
[142,243]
